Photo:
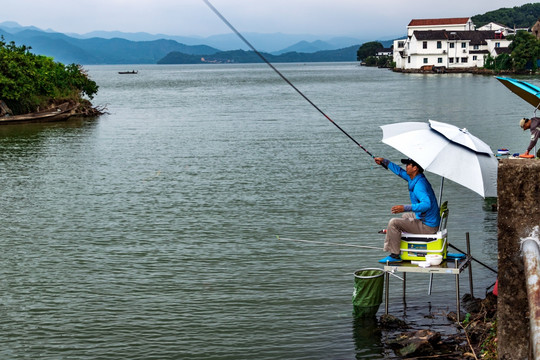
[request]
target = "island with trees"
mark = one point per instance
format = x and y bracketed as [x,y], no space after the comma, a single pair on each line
[35,87]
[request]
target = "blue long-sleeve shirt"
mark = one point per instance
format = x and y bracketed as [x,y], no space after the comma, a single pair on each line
[423,200]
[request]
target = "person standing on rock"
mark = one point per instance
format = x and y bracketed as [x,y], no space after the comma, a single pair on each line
[532,124]
[422,216]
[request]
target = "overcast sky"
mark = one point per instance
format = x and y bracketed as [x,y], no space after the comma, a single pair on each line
[358,18]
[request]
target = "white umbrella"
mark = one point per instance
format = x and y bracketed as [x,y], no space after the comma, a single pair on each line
[460,136]
[467,161]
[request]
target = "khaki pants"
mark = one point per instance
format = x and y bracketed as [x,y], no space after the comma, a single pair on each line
[407,223]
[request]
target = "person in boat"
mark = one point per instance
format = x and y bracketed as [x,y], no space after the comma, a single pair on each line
[420,217]
[532,124]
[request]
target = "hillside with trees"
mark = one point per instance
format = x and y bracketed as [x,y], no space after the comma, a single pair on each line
[242,56]
[519,16]
[525,47]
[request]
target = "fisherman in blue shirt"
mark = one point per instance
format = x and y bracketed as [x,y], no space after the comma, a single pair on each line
[420,217]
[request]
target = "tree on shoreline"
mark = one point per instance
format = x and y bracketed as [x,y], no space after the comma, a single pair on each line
[525,51]
[29,82]
[368,49]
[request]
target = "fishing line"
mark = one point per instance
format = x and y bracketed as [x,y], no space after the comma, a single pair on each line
[329,243]
[207,2]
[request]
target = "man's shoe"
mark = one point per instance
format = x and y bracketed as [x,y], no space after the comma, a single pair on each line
[390,259]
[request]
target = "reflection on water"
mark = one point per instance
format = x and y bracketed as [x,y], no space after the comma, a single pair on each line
[367,338]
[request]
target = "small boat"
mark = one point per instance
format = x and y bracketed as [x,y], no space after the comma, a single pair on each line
[128,72]
[58,113]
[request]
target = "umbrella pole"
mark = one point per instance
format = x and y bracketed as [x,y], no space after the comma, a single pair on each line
[440,192]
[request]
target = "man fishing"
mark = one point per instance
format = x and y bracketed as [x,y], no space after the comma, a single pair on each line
[532,124]
[420,217]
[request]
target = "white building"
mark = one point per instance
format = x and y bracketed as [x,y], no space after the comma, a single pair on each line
[384,52]
[492,26]
[449,43]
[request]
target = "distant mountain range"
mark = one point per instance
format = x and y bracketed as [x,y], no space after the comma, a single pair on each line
[243,56]
[142,48]
[276,43]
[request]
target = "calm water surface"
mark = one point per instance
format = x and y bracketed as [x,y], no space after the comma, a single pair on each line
[150,232]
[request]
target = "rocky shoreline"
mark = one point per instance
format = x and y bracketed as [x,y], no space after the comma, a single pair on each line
[56,110]
[473,338]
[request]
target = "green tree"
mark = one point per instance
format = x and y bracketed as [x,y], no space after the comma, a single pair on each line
[28,81]
[525,49]
[501,62]
[385,62]
[370,61]
[368,49]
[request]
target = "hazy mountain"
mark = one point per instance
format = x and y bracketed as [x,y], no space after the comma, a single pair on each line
[101,47]
[67,49]
[306,47]
[139,36]
[271,43]
[13,27]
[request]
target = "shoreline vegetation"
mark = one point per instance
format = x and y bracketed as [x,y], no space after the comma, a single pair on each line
[35,85]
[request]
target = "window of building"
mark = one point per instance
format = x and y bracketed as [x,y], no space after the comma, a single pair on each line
[451,45]
[475,57]
[497,44]
[451,60]
[409,59]
[463,45]
[439,60]
[476,47]
[439,44]
[464,60]
[424,45]
[457,60]
[425,60]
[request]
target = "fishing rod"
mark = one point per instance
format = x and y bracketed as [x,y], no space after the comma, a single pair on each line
[472,258]
[207,2]
[329,243]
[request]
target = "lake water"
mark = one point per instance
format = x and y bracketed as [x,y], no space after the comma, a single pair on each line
[150,232]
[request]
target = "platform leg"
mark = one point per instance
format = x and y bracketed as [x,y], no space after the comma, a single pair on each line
[470,264]
[430,283]
[458,305]
[387,287]
[404,288]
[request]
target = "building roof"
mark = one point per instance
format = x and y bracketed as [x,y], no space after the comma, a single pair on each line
[495,23]
[476,37]
[478,52]
[431,22]
[502,50]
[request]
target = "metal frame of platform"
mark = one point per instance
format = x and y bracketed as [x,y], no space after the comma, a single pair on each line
[448,267]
